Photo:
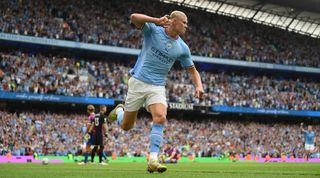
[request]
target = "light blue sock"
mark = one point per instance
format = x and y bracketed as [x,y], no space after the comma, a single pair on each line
[120,116]
[156,137]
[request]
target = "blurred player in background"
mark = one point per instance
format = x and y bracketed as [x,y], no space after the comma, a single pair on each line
[162,46]
[310,140]
[89,137]
[170,154]
[99,125]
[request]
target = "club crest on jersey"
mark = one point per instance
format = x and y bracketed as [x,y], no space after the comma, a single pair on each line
[169,45]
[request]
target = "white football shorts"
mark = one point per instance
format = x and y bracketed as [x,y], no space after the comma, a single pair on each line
[143,94]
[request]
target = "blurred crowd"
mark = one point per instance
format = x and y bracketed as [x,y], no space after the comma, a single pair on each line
[62,76]
[59,134]
[108,23]
[20,72]
[43,133]
[246,90]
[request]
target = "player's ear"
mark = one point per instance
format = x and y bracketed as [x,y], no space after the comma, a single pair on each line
[173,20]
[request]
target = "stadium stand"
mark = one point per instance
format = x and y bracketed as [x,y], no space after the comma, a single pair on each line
[53,133]
[221,36]
[21,72]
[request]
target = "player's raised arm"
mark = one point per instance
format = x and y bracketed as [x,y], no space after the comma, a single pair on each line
[139,19]
[301,127]
[196,79]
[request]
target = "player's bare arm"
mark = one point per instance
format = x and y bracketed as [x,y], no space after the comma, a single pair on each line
[301,127]
[87,134]
[88,125]
[196,79]
[90,129]
[105,128]
[139,19]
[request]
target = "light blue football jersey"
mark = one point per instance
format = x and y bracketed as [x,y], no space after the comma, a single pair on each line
[309,137]
[158,54]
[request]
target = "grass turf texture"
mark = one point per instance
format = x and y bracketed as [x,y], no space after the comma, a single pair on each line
[183,170]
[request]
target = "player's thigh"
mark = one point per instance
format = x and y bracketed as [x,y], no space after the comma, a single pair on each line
[155,95]
[91,140]
[308,147]
[135,96]
[98,140]
[156,104]
[158,112]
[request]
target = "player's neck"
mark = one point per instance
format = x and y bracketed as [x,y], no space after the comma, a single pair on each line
[171,33]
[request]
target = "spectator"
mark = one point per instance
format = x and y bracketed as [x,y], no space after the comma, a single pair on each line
[60,76]
[204,138]
[222,37]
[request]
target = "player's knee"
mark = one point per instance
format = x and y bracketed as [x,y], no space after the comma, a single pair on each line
[126,127]
[159,119]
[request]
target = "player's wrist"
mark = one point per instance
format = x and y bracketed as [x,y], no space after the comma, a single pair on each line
[156,20]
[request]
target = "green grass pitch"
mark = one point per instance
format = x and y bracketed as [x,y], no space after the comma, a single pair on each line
[183,170]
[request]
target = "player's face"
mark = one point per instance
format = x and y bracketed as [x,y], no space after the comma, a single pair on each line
[181,24]
[104,110]
[309,128]
[168,146]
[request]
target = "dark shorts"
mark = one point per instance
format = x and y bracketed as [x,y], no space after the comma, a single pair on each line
[99,140]
[91,140]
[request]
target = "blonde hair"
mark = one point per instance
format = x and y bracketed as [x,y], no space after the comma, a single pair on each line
[177,13]
[90,108]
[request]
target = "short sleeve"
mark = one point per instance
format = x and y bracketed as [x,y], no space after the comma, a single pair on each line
[148,28]
[186,59]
